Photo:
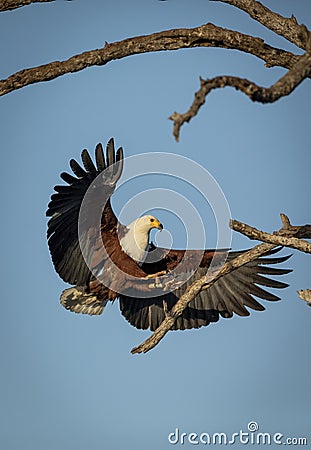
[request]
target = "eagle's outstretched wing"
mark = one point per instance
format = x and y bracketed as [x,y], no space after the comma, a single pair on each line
[64,209]
[232,293]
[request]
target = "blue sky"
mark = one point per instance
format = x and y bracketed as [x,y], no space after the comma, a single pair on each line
[69,381]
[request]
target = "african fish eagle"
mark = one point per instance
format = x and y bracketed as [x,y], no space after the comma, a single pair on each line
[106,260]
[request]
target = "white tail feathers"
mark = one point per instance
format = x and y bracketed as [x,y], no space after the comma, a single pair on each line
[77,300]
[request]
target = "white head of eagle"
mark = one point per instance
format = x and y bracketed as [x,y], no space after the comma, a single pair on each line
[136,238]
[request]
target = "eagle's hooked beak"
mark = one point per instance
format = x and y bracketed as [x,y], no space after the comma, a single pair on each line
[158,225]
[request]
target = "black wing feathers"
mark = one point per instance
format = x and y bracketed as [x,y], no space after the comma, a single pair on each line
[65,205]
[110,156]
[231,294]
[99,156]
[77,169]
[88,163]
[68,178]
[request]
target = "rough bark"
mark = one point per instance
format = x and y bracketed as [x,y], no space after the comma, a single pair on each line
[306,296]
[283,26]
[207,35]
[7,5]
[288,236]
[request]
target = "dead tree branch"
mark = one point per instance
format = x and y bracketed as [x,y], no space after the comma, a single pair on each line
[7,5]
[291,232]
[305,295]
[281,88]
[283,26]
[284,86]
[207,35]
[288,236]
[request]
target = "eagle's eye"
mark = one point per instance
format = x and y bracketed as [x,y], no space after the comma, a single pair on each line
[151,220]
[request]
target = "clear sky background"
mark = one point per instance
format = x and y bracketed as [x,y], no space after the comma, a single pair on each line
[69,381]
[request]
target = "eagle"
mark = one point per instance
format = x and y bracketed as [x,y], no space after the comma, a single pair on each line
[104,260]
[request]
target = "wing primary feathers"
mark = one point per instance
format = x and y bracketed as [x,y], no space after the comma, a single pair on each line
[110,155]
[273,271]
[77,169]
[261,293]
[87,162]
[221,306]
[249,301]
[67,190]
[100,159]
[246,276]
[279,260]
[234,303]
[65,204]
[264,281]
[119,164]
[68,178]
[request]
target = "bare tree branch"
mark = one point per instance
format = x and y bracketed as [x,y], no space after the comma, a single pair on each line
[285,27]
[288,236]
[305,295]
[7,5]
[208,280]
[284,86]
[299,231]
[207,35]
